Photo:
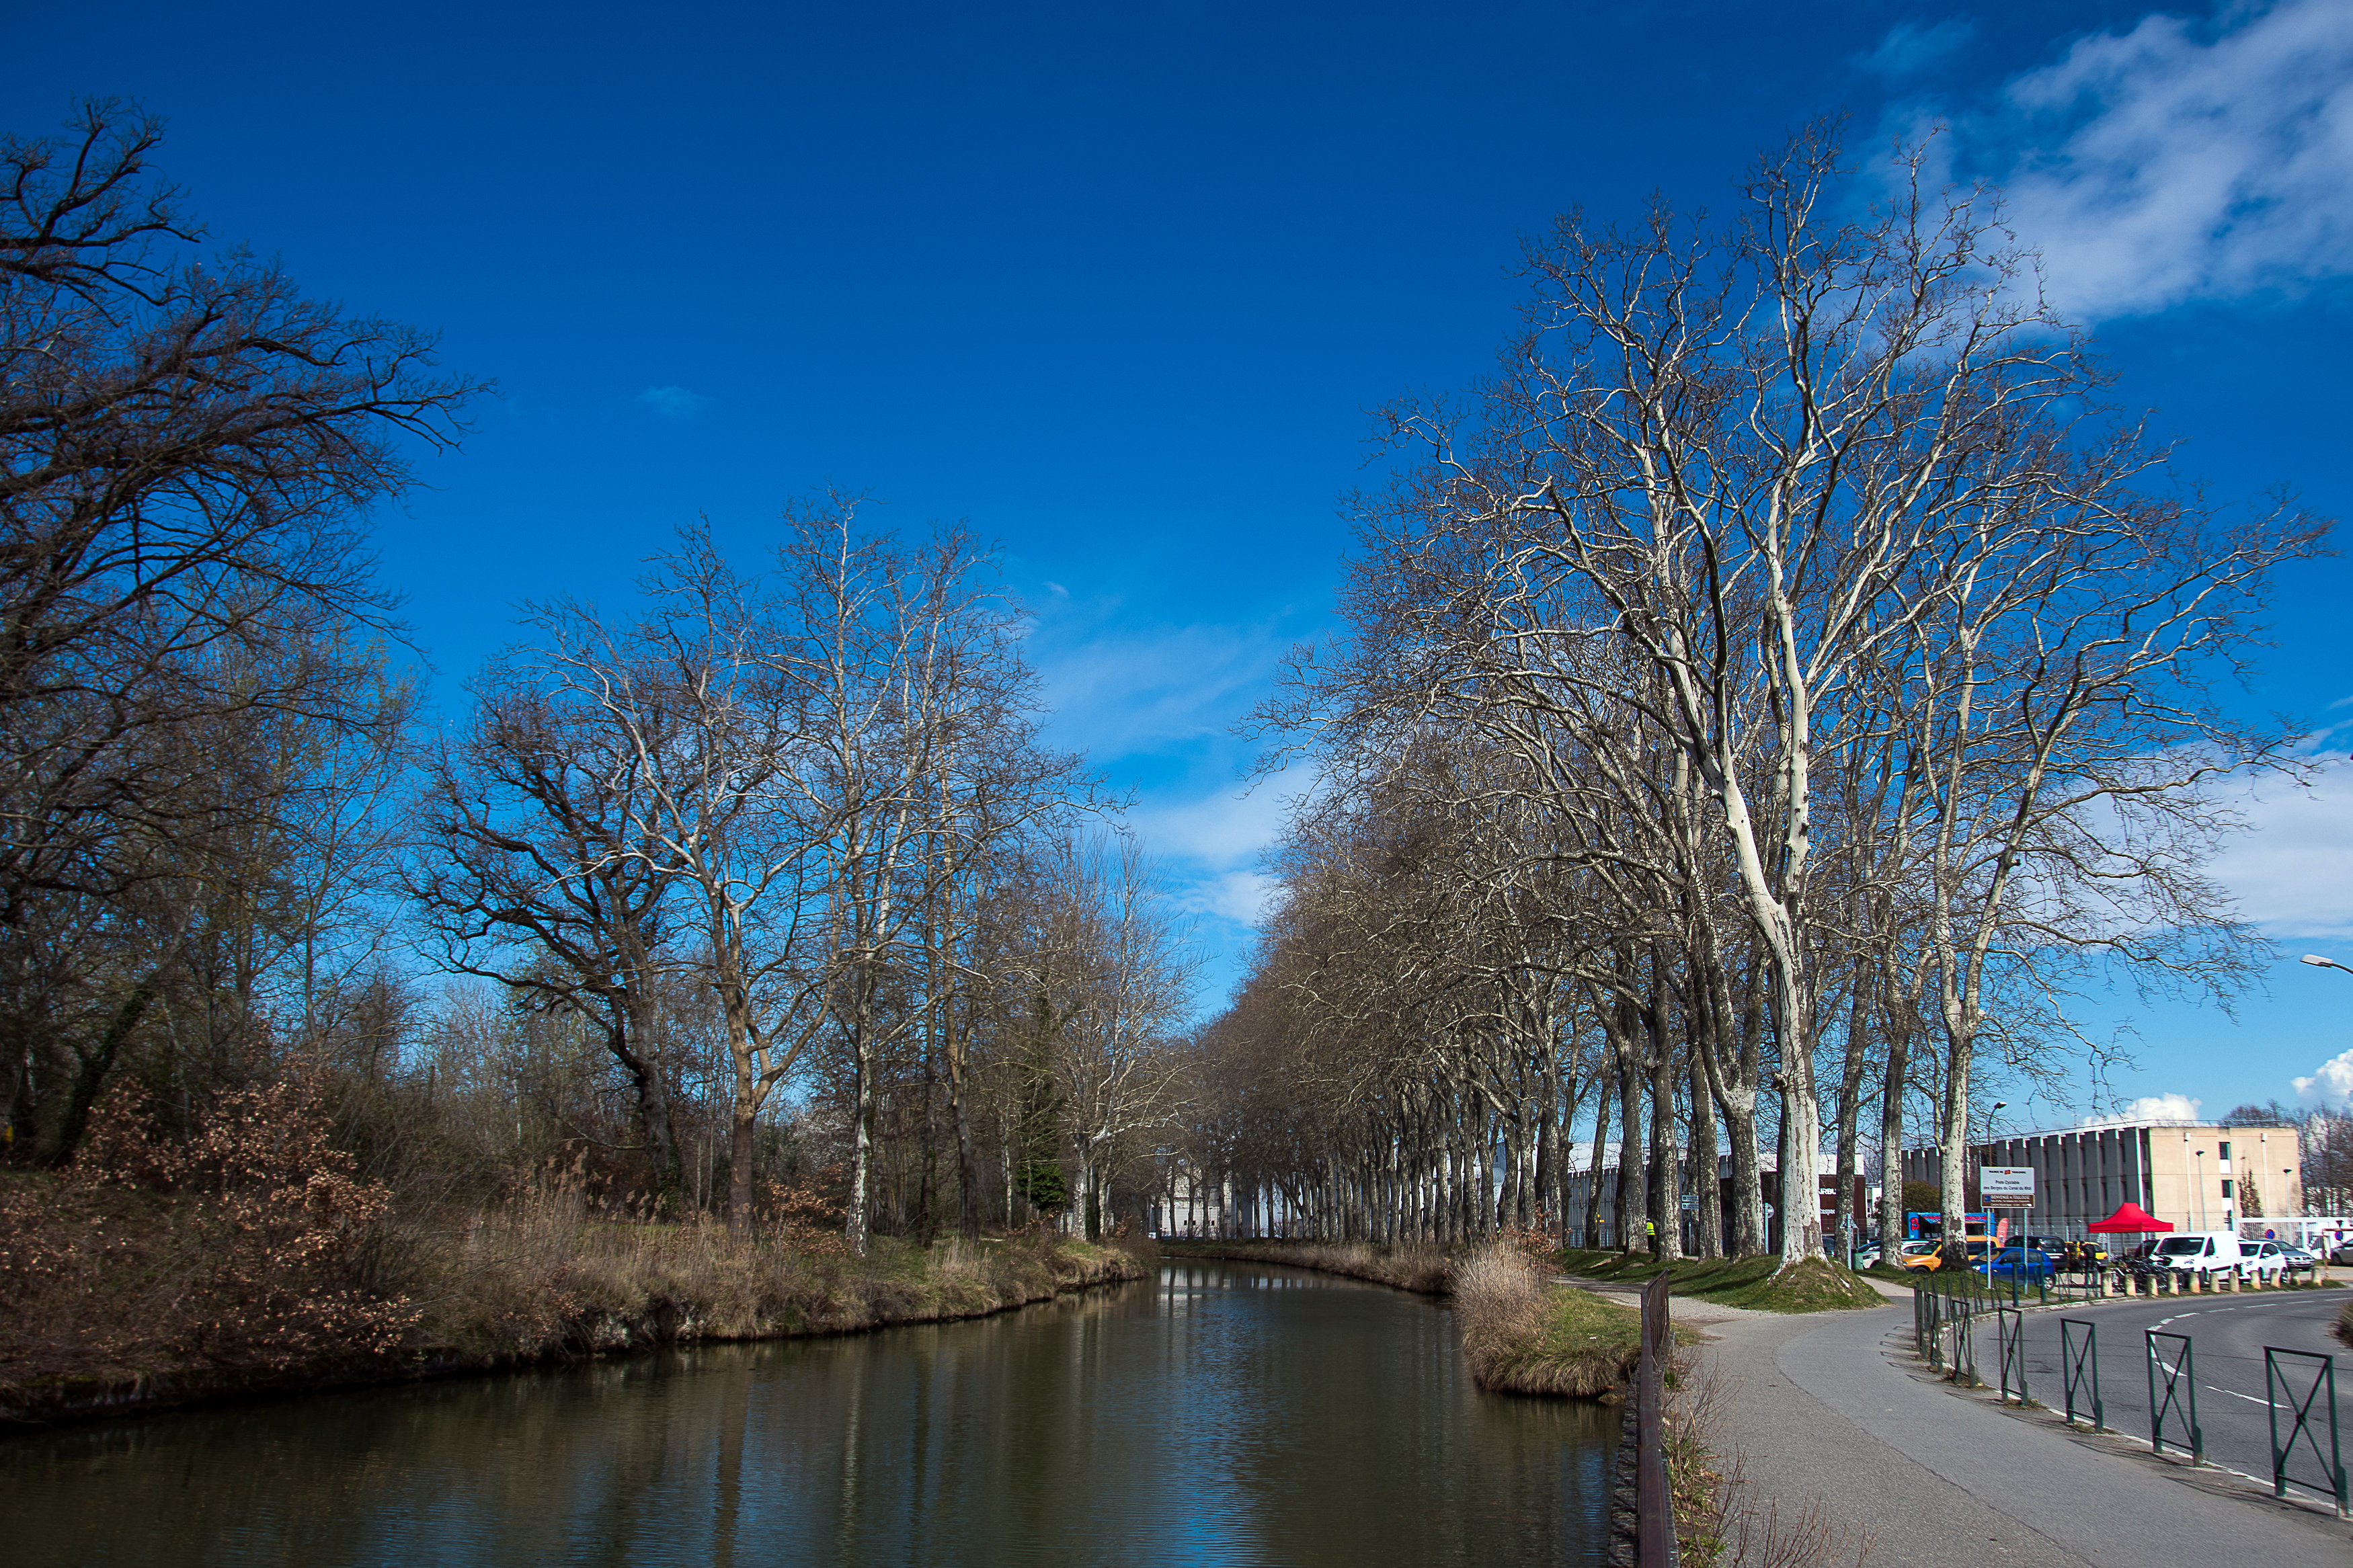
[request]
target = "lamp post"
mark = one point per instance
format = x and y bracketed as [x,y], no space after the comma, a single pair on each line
[2317,962]
[2201,1188]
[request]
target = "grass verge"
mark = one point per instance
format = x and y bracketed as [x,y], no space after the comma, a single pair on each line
[1756,1283]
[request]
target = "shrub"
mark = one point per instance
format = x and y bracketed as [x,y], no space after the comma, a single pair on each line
[250,1242]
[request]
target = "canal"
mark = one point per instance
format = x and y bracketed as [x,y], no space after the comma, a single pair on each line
[1224,1413]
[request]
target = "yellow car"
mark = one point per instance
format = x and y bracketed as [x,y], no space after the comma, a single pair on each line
[1927,1254]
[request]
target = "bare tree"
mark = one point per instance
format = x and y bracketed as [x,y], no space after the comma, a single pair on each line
[534,874]
[188,448]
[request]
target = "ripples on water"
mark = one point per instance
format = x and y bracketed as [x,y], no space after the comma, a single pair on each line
[1225,1413]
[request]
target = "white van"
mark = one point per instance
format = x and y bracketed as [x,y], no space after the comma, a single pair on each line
[2206,1252]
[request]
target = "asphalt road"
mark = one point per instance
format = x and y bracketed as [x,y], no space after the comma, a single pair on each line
[2228,1334]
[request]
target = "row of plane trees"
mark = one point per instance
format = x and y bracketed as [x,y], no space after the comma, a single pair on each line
[1764,708]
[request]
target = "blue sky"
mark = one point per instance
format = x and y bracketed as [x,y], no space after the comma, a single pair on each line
[1117,285]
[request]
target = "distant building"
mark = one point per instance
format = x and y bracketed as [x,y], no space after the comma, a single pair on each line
[1580,1195]
[2199,1175]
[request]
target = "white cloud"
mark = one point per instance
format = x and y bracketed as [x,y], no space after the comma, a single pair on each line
[672,401]
[2291,871]
[2190,162]
[1138,691]
[1212,844]
[1226,827]
[1909,48]
[2331,1085]
[2151,1108]
[1237,896]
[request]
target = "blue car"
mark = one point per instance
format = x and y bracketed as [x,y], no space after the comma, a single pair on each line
[2029,1264]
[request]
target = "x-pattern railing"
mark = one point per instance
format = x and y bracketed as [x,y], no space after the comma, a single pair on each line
[2283,1370]
[2079,1362]
[2010,1324]
[2179,1380]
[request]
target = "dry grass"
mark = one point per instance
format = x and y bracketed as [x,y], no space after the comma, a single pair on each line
[2345,1323]
[1522,1336]
[541,1276]
[1420,1267]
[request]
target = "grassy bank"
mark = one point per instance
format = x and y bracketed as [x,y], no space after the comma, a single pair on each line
[1756,1283]
[117,1300]
[1422,1267]
[1521,1335]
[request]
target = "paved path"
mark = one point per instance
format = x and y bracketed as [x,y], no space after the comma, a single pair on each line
[1828,1409]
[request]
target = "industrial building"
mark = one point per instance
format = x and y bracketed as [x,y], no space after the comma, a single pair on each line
[2198,1175]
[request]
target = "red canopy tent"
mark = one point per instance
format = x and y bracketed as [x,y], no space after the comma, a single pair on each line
[2130,1219]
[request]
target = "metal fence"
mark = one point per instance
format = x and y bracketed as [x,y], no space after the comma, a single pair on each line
[2010,1324]
[2179,1380]
[2079,1365]
[2299,1386]
[2285,1372]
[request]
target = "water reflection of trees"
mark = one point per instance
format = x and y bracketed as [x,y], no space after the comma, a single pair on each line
[1264,1420]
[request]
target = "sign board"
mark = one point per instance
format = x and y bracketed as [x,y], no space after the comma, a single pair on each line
[2005,1187]
[1691,1203]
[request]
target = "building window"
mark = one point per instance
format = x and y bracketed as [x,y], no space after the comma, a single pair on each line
[2226,1152]
[2226,1188]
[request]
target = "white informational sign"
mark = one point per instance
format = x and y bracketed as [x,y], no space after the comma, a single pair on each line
[2005,1187]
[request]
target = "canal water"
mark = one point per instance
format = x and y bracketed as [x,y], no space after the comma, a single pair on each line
[1222,1414]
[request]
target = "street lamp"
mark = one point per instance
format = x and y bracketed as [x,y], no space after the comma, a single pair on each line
[2317,962]
[1992,1115]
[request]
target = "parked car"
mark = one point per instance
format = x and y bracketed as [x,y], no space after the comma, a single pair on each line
[1930,1254]
[2341,1253]
[2029,1264]
[2299,1261]
[2060,1246]
[2258,1258]
[2206,1253]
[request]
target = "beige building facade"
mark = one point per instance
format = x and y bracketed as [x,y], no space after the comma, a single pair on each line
[2198,1175]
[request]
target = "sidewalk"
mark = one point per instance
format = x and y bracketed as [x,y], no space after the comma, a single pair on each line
[1828,1407]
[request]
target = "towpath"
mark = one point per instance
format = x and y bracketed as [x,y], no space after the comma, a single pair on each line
[1831,1410]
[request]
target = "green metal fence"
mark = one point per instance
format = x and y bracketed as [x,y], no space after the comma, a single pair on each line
[2079,1365]
[2178,1401]
[2285,1372]
[2010,1326]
